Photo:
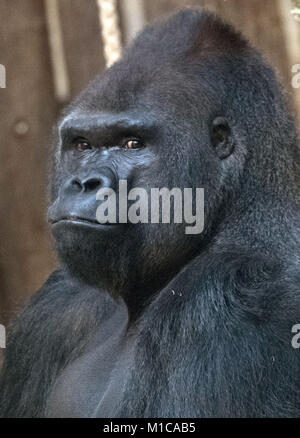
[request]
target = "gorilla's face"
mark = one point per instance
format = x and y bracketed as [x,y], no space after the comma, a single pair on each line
[151,132]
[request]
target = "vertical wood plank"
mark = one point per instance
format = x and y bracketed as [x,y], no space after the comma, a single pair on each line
[82,40]
[27,111]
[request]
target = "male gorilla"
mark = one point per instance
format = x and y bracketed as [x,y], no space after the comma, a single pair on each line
[144,320]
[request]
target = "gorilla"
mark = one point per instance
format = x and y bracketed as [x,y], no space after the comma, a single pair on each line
[143,319]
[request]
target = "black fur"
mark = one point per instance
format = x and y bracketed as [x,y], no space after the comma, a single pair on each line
[208,330]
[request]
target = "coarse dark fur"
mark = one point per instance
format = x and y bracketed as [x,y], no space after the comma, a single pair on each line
[203,322]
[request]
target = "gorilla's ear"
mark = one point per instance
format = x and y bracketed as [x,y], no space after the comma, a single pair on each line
[221,138]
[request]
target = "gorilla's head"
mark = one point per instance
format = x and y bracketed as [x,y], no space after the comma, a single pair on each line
[189,105]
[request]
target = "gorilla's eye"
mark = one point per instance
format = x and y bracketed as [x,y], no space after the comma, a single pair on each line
[132,144]
[82,145]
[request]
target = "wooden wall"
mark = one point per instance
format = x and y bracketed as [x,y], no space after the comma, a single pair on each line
[29,108]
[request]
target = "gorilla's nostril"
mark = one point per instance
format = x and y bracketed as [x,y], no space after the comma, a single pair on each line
[77,184]
[92,184]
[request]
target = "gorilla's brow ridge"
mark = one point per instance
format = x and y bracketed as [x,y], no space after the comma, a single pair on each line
[105,125]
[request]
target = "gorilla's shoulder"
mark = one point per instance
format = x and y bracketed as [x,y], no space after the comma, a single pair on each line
[240,282]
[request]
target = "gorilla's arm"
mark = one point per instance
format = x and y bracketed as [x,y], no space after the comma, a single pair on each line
[47,335]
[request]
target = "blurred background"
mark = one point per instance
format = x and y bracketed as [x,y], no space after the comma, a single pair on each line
[50,50]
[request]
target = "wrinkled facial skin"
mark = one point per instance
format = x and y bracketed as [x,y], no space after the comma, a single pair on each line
[170,150]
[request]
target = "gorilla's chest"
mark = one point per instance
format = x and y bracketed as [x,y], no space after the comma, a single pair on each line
[93,384]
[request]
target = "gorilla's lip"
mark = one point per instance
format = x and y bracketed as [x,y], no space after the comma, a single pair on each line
[76,220]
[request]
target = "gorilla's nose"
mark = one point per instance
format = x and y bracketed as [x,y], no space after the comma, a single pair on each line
[88,184]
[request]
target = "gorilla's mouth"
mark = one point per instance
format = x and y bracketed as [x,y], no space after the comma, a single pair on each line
[78,220]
